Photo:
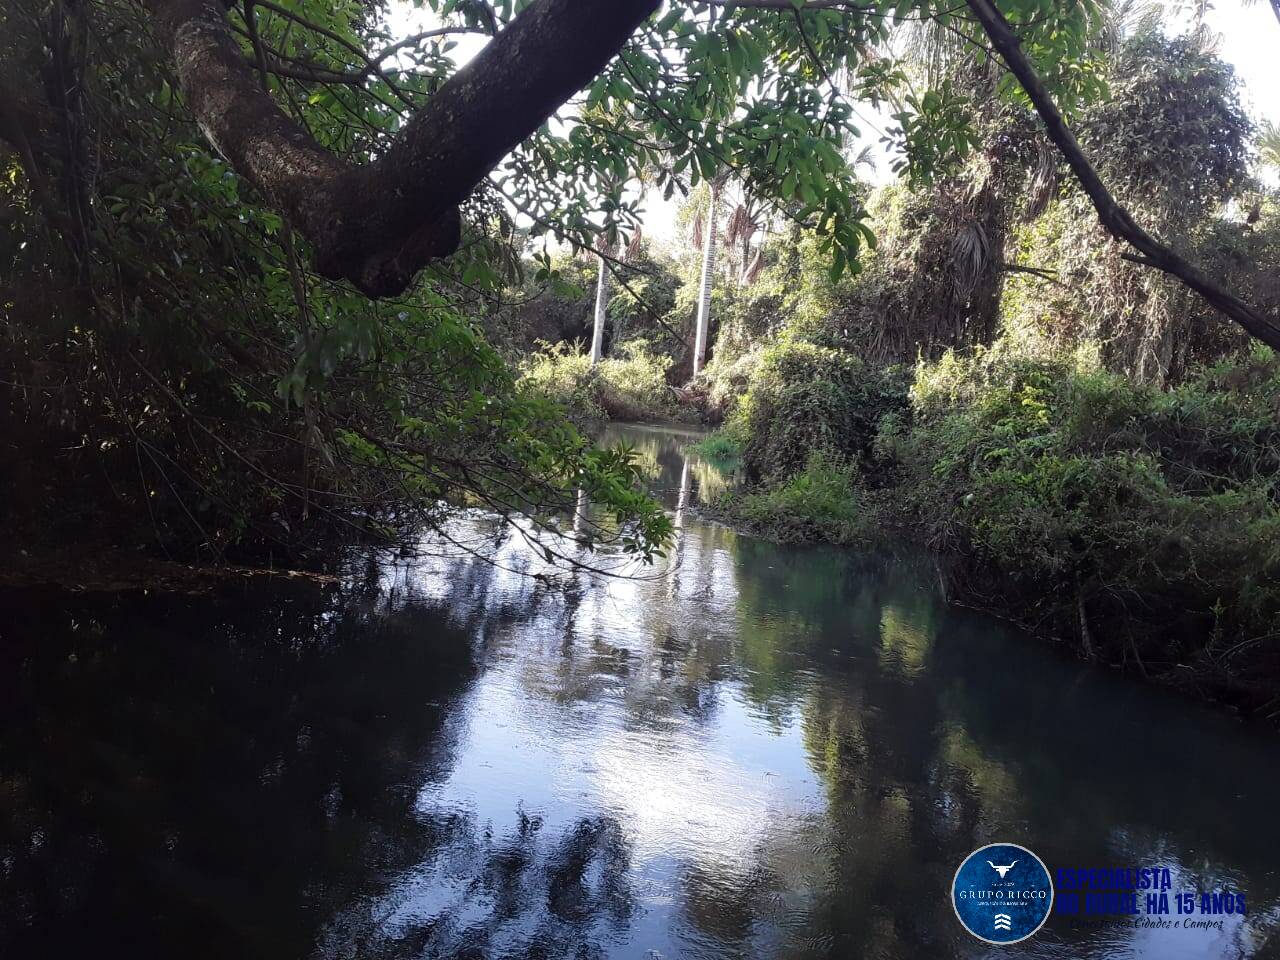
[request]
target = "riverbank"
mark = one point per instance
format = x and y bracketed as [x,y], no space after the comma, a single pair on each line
[1136,525]
[84,569]
[1211,676]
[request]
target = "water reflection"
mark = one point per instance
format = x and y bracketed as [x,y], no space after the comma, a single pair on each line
[754,751]
[520,894]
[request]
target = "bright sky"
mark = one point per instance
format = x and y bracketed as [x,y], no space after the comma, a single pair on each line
[1250,40]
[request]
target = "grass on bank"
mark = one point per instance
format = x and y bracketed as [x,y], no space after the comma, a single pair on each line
[719,448]
[823,502]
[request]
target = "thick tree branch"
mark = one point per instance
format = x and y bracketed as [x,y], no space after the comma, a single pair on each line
[1115,218]
[377,225]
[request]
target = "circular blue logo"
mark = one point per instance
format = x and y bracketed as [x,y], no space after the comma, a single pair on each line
[1002,893]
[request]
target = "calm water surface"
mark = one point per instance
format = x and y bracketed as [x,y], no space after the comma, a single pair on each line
[753,751]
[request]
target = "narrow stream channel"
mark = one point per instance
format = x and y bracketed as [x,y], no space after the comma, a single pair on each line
[754,751]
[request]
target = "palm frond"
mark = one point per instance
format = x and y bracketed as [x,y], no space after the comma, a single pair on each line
[971,256]
[1044,182]
[633,248]
[740,227]
[1269,144]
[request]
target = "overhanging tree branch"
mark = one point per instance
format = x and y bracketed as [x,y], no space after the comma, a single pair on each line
[1115,218]
[378,224]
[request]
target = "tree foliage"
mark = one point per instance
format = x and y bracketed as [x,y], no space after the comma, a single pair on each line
[160,313]
[1174,141]
[164,350]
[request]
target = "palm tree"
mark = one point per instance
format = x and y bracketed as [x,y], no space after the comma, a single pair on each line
[1269,145]
[602,304]
[748,218]
[604,254]
[707,228]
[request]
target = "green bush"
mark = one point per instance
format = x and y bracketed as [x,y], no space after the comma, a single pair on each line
[805,399]
[820,503]
[726,378]
[1092,496]
[720,448]
[563,372]
[632,385]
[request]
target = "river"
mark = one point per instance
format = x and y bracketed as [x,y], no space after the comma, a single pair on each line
[751,751]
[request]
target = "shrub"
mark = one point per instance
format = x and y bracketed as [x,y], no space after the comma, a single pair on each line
[629,386]
[633,383]
[821,502]
[563,372]
[805,399]
[720,448]
[726,379]
[1094,497]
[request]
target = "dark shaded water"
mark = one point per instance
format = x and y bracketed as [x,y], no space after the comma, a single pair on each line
[757,752]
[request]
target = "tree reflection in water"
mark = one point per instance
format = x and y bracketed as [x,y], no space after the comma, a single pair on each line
[521,895]
[753,751]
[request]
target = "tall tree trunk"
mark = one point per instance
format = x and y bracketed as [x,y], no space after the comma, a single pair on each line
[602,310]
[704,288]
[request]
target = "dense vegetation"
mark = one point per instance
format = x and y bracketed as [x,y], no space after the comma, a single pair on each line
[1141,506]
[211,337]
[1141,523]
[1102,458]
[196,363]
